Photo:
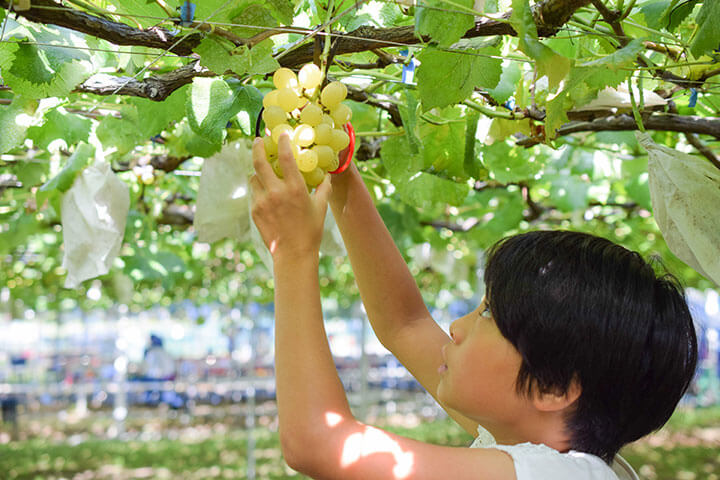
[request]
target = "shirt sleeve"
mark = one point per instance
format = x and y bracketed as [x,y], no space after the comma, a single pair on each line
[540,462]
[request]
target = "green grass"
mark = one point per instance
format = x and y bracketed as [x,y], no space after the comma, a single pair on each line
[688,448]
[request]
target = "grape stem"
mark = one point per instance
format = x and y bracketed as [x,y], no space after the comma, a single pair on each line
[326,44]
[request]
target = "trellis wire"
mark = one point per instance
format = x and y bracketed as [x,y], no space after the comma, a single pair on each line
[90,49]
[311,32]
[308,33]
[144,69]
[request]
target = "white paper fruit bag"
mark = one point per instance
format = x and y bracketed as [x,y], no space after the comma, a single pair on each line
[94,211]
[685,190]
[224,203]
[221,210]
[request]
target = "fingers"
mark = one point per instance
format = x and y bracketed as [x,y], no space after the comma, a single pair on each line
[323,191]
[263,170]
[286,159]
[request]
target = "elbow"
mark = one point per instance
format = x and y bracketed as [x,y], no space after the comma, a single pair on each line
[299,449]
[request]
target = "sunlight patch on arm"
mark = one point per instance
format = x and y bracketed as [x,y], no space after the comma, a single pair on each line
[362,444]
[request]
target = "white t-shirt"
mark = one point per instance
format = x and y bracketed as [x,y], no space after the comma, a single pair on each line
[540,462]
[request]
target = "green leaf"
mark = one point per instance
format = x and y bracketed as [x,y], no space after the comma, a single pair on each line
[31,172]
[15,119]
[444,148]
[446,78]
[443,27]
[471,163]
[706,37]
[549,63]
[154,117]
[408,114]
[210,104]
[60,125]
[656,12]
[509,164]
[254,61]
[418,188]
[221,56]
[61,183]
[257,14]
[39,71]
[508,83]
[249,101]
[122,133]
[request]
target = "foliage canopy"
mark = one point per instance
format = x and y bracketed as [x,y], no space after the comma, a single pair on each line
[486,137]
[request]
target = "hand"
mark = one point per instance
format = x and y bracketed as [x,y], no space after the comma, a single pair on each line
[290,220]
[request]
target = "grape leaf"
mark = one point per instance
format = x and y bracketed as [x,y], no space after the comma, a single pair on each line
[59,124]
[122,133]
[15,119]
[549,63]
[508,83]
[39,71]
[408,114]
[706,37]
[443,27]
[221,56]
[255,60]
[508,164]
[252,14]
[210,104]
[154,117]
[656,12]
[446,78]
[444,148]
[420,189]
[249,100]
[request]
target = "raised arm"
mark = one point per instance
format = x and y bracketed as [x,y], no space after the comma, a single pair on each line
[319,435]
[388,290]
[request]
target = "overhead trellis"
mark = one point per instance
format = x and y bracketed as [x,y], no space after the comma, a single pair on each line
[455,110]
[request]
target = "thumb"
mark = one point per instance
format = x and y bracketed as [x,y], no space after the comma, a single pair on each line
[322,192]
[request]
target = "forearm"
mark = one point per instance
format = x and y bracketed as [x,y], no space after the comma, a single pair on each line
[308,386]
[388,290]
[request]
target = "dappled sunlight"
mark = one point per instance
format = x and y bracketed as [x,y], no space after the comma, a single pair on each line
[332,419]
[362,444]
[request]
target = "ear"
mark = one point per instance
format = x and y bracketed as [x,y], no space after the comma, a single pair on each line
[552,401]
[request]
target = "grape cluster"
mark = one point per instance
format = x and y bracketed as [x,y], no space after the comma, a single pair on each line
[313,118]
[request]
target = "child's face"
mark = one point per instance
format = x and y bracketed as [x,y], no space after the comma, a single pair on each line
[478,378]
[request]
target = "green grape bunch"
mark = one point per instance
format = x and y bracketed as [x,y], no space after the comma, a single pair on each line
[313,118]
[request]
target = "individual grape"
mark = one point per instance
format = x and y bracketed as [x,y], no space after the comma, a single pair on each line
[333,94]
[304,135]
[287,99]
[284,78]
[307,161]
[302,101]
[274,116]
[270,99]
[309,76]
[327,119]
[314,177]
[278,129]
[341,115]
[326,157]
[323,134]
[339,140]
[271,147]
[312,115]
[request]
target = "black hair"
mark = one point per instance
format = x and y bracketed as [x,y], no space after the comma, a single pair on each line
[581,308]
